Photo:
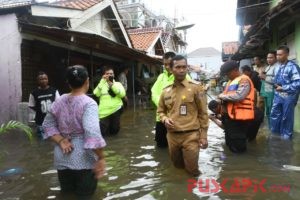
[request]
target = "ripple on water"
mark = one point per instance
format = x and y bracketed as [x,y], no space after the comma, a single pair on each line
[146,164]
[122,194]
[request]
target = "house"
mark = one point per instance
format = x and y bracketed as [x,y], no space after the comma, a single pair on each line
[136,15]
[53,35]
[208,58]
[264,26]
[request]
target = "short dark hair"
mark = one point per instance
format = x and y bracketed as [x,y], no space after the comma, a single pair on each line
[41,73]
[177,57]
[76,76]
[169,54]
[246,68]
[212,105]
[106,68]
[284,48]
[272,52]
[228,66]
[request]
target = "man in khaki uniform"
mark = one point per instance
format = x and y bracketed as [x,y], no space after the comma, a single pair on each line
[183,110]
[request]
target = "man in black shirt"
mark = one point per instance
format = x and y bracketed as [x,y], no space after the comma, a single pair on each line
[41,99]
[253,75]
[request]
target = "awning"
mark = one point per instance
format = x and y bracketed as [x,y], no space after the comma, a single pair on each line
[259,33]
[87,41]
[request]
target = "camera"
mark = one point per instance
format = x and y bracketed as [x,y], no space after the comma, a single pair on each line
[111,78]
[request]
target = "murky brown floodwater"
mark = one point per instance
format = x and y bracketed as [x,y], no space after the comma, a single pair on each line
[138,170]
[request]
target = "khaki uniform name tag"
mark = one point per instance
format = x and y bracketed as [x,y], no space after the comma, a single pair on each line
[183,109]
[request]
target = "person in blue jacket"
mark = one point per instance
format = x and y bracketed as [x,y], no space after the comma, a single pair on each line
[287,89]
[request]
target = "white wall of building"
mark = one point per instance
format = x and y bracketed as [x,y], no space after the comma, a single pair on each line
[10,67]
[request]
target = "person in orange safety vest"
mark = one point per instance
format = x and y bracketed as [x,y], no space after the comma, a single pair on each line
[238,106]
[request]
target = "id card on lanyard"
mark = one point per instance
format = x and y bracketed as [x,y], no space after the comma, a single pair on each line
[183,110]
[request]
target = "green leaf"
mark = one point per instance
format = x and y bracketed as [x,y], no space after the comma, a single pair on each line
[16,125]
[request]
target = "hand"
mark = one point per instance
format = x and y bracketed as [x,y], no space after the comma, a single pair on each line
[212,116]
[262,76]
[169,123]
[203,143]
[100,168]
[66,145]
[220,96]
[278,88]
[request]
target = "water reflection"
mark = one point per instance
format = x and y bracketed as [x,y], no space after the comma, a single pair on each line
[136,169]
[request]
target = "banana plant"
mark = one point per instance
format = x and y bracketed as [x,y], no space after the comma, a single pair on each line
[16,125]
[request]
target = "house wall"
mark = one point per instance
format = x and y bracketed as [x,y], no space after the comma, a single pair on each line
[297,109]
[212,63]
[10,67]
[97,25]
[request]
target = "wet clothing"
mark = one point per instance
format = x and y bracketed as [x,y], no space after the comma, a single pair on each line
[76,118]
[282,113]
[163,80]
[267,90]
[111,123]
[186,104]
[110,105]
[235,128]
[40,100]
[161,135]
[82,182]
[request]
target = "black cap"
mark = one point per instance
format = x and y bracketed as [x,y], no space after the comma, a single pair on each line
[228,66]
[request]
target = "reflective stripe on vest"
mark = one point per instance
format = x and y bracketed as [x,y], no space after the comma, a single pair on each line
[243,110]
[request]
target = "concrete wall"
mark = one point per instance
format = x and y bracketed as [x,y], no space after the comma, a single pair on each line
[10,67]
[297,41]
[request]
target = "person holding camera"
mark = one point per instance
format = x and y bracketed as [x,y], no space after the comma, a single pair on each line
[110,93]
[287,89]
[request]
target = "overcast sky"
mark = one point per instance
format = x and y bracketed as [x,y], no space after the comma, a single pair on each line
[214,20]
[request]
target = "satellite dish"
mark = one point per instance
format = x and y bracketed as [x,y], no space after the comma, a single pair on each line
[184,27]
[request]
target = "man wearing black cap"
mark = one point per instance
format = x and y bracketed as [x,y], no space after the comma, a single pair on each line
[238,99]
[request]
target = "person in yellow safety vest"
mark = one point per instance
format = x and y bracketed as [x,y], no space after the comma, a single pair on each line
[238,99]
[163,80]
[110,95]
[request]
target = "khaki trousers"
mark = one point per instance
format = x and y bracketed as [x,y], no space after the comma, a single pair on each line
[184,151]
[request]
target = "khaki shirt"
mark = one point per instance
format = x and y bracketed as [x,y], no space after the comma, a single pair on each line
[189,94]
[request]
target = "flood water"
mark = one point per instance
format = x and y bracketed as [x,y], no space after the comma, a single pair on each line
[136,169]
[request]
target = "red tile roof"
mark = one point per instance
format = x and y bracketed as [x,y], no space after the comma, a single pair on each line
[143,38]
[75,4]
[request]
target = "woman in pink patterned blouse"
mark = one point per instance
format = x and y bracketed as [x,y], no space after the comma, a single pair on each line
[73,125]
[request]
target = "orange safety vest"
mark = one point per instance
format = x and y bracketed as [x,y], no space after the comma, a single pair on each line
[242,110]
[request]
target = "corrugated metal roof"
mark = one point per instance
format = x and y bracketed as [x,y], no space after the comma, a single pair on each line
[88,41]
[75,4]
[5,4]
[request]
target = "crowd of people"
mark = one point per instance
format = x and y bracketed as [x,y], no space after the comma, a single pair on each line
[76,124]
